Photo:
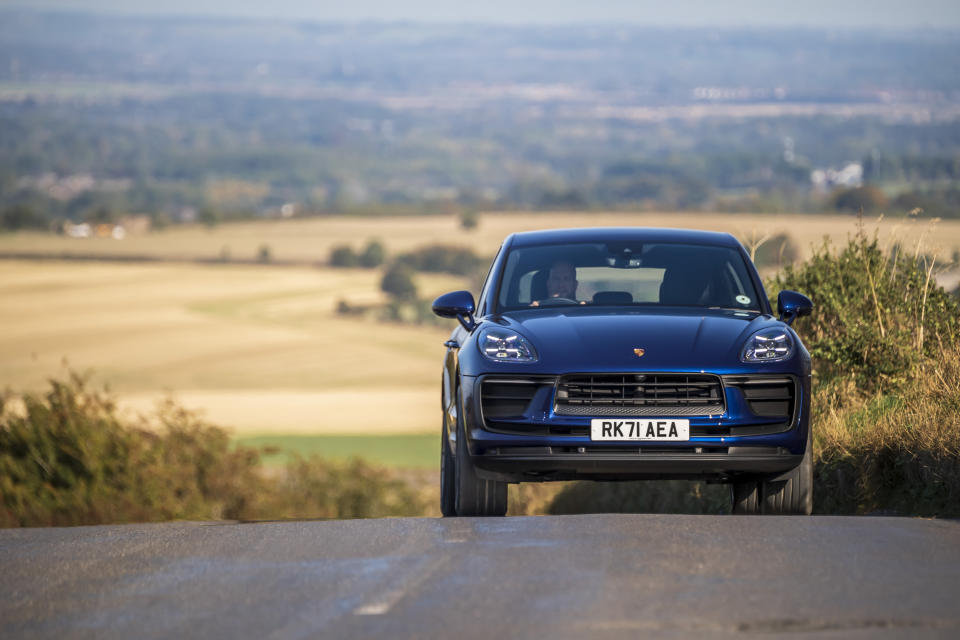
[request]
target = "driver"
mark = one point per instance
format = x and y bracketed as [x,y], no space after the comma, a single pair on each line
[561,282]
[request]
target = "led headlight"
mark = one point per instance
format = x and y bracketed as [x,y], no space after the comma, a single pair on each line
[504,345]
[768,345]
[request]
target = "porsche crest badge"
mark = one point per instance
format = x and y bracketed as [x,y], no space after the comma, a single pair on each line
[639,352]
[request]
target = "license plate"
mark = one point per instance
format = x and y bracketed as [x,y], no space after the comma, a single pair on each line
[640,429]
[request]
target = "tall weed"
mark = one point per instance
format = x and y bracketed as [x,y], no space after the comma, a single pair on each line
[68,458]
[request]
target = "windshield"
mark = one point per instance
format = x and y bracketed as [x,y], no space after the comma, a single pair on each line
[624,274]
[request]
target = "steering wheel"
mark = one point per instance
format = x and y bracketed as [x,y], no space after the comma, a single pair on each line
[548,301]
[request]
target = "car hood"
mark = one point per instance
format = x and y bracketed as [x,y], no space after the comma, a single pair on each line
[571,339]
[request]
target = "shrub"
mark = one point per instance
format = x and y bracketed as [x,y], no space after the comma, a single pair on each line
[209,217]
[458,261]
[343,256]
[865,198]
[875,316]
[469,219]
[69,459]
[18,217]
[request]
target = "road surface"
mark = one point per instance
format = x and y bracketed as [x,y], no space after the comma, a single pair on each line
[596,576]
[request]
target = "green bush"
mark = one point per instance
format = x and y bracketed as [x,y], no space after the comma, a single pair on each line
[17,217]
[373,255]
[343,256]
[67,458]
[469,219]
[397,282]
[458,261]
[855,199]
[876,316]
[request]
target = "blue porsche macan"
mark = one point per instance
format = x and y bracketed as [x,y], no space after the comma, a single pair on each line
[625,354]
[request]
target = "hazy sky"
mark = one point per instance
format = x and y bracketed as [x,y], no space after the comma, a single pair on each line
[846,13]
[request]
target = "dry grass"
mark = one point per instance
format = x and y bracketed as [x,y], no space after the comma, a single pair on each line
[311,239]
[893,451]
[259,349]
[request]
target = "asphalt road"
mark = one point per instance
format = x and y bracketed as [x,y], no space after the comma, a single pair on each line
[568,576]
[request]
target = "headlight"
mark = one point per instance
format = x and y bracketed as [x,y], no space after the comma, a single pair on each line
[768,345]
[504,345]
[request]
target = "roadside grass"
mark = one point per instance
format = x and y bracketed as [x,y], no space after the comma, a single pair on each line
[67,457]
[895,451]
[409,451]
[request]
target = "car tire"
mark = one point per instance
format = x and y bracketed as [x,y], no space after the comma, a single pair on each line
[790,493]
[448,474]
[745,497]
[475,496]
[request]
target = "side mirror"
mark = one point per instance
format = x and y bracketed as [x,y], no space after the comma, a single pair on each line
[459,305]
[792,305]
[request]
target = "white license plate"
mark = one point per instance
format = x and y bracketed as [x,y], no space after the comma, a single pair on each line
[639,429]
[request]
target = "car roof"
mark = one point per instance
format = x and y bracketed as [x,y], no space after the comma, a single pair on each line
[609,234]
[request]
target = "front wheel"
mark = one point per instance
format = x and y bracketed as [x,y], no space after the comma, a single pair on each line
[475,496]
[790,493]
[448,474]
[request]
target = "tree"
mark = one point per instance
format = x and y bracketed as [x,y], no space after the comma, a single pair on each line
[469,219]
[21,216]
[373,255]
[398,282]
[209,217]
[867,198]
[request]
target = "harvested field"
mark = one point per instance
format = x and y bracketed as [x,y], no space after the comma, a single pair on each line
[310,239]
[259,350]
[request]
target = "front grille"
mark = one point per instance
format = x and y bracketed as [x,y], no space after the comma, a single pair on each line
[639,394]
[767,397]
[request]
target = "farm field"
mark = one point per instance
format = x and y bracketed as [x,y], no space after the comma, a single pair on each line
[258,350]
[310,239]
[408,450]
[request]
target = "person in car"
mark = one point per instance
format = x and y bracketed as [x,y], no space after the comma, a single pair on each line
[561,283]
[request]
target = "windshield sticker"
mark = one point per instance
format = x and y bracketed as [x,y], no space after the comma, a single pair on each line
[742,299]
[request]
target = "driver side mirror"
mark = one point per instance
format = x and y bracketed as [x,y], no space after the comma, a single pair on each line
[792,305]
[459,305]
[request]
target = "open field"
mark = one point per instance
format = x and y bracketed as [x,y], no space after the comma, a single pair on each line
[310,239]
[408,450]
[260,350]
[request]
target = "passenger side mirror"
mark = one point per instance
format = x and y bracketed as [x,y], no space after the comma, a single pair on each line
[457,304]
[792,305]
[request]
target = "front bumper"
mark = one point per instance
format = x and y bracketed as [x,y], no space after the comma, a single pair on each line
[515,464]
[546,446]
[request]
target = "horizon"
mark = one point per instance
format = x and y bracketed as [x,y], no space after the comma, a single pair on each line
[937,15]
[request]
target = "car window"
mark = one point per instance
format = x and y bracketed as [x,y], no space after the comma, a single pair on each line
[626,274]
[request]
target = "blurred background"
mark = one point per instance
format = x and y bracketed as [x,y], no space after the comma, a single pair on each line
[249,208]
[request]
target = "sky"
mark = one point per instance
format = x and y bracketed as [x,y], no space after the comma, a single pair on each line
[692,13]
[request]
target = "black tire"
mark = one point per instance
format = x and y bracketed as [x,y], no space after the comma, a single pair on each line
[448,474]
[474,495]
[746,497]
[790,493]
